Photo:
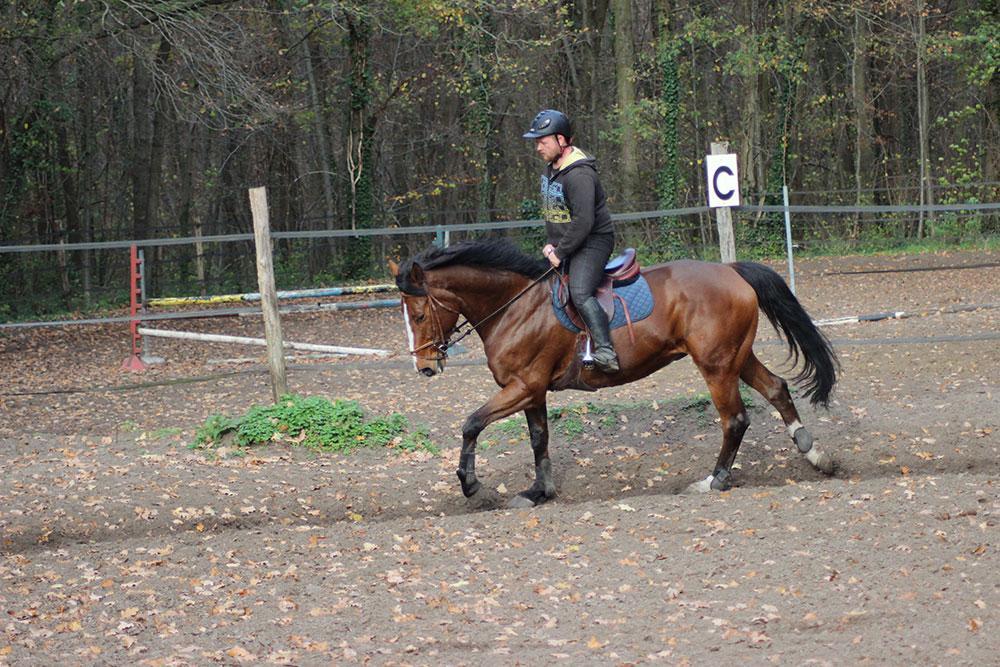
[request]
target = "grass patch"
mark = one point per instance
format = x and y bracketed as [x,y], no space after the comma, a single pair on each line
[128,426]
[572,419]
[313,422]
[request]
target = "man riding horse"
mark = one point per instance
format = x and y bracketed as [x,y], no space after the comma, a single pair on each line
[580,235]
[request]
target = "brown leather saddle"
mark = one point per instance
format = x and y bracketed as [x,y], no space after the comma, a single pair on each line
[622,270]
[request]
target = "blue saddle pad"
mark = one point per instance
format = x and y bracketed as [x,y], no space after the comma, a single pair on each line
[636,295]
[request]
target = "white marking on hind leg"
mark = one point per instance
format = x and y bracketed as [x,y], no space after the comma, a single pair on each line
[813,456]
[793,427]
[704,486]
[409,335]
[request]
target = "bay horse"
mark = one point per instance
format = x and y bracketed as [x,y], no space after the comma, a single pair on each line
[704,310]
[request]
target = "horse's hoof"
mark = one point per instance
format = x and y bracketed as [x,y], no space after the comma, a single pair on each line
[484,499]
[537,494]
[803,440]
[470,485]
[471,489]
[722,481]
[823,462]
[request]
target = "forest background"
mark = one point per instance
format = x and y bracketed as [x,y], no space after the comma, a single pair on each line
[140,119]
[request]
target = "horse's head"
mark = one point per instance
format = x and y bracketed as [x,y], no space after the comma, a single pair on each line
[429,319]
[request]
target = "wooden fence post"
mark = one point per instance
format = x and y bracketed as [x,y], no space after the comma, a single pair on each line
[724,216]
[268,295]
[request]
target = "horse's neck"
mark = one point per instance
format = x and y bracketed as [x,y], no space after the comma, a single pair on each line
[480,292]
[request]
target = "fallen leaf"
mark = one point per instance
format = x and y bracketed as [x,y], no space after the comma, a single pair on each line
[240,653]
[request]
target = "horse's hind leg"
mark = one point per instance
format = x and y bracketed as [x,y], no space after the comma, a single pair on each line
[775,390]
[544,486]
[725,391]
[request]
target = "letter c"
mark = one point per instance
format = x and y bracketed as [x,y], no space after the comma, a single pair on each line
[715,182]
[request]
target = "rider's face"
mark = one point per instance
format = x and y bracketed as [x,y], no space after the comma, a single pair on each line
[548,147]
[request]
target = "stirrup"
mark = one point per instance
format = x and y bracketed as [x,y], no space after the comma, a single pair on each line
[609,366]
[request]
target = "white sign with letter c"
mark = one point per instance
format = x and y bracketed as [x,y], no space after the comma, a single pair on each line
[723,180]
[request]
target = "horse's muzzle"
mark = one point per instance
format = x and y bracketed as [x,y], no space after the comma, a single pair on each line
[436,366]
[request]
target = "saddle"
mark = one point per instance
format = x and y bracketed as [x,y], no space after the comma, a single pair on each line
[621,271]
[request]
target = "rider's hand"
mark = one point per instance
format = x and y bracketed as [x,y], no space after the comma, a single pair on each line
[550,253]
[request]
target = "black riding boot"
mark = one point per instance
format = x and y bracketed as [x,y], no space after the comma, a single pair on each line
[596,320]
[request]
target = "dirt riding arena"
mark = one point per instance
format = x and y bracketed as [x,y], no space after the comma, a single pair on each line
[119,545]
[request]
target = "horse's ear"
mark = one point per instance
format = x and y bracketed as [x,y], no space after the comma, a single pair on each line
[393,268]
[417,275]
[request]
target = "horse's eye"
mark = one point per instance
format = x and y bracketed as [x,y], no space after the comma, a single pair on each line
[418,318]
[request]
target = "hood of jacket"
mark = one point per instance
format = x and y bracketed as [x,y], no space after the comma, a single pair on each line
[576,158]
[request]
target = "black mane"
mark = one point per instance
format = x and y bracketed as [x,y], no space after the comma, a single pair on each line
[498,254]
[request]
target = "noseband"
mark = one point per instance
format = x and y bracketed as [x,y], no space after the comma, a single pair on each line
[444,342]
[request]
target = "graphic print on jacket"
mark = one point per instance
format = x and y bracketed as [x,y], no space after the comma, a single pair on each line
[554,208]
[573,203]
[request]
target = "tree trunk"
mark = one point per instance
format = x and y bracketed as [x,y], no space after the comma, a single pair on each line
[595,13]
[320,144]
[360,143]
[480,117]
[667,46]
[155,269]
[66,174]
[750,144]
[625,88]
[85,86]
[923,121]
[864,126]
[142,140]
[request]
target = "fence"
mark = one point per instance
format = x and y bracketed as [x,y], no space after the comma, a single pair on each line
[36,280]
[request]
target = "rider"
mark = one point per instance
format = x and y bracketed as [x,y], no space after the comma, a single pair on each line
[580,235]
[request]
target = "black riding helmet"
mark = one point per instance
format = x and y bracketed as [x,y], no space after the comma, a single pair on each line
[549,122]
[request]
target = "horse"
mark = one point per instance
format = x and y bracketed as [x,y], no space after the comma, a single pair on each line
[707,311]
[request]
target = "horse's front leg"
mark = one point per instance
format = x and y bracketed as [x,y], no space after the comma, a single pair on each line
[544,486]
[515,396]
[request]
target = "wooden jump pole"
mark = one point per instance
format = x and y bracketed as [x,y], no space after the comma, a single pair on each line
[268,297]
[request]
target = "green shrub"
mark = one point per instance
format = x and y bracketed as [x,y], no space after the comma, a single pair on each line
[314,422]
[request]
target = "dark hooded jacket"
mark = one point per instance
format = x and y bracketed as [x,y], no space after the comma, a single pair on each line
[573,203]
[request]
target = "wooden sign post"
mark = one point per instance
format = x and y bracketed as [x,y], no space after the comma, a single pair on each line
[268,294]
[723,192]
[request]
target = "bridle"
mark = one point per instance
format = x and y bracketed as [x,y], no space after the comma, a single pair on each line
[443,342]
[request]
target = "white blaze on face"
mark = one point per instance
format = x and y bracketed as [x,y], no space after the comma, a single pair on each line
[409,334]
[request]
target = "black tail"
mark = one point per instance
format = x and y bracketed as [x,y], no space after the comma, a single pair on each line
[790,319]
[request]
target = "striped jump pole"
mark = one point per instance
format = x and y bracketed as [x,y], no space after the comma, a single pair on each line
[134,362]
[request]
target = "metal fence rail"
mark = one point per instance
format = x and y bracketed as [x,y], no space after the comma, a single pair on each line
[491,226]
[41,279]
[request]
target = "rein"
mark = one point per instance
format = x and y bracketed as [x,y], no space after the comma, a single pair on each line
[445,342]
